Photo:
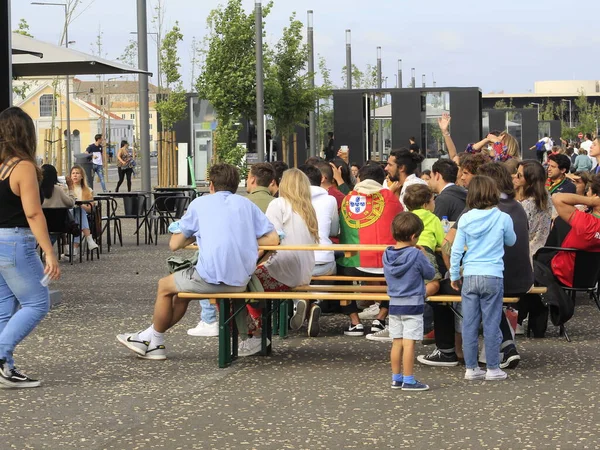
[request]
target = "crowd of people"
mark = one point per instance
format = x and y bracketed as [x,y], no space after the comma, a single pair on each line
[473,225]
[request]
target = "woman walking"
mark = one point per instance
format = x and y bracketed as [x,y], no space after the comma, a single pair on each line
[22,222]
[124,166]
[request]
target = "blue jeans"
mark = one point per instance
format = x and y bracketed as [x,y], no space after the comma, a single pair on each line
[98,169]
[20,273]
[82,220]
[482,299]
[208,313]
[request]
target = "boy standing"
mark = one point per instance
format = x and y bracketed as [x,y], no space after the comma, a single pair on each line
[405,268]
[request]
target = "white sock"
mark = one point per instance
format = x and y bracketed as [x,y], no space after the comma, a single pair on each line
[157,338]
[146,335]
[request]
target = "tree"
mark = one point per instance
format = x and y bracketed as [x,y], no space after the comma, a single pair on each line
[362,80]
[23,28]
[547,110]
[500,104]
[228,80]
[23,87]
[291,96]
[325,104]
[171,106]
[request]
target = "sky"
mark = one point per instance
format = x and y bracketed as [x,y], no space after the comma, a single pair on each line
[496,46]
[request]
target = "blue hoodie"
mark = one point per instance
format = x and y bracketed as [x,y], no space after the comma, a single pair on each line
[484,232]
[406,270]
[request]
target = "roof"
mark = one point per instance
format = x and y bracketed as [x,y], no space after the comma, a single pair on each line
[99,109]
[114,86]
[58,60]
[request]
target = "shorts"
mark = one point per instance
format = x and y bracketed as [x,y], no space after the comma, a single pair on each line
[406,327]
[189,280]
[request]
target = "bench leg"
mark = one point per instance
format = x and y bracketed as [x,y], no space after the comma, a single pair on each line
[283,318]
[224,334]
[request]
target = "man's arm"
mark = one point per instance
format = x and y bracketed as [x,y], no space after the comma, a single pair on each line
[565,204]
[179,241]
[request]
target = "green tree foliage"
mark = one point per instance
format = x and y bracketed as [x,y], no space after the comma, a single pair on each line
[24,87]
[23,28]
[171,106]
[325,107]
[360,79]
[547,110]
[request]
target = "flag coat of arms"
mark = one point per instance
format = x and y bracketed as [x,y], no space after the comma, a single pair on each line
[367,219]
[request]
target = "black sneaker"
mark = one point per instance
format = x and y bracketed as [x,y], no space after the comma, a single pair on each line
[438,358]
[313,321]
[355,330]
[377,326]
[13,379]
[510,358]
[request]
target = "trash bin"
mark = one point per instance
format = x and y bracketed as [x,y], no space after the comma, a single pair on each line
[85,161]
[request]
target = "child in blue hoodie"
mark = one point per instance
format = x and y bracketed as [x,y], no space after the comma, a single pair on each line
[484,231]
[406,268]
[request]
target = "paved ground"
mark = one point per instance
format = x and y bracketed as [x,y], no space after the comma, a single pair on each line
[331,392]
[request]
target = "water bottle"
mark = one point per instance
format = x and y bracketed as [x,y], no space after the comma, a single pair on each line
[445,224]
[45,281]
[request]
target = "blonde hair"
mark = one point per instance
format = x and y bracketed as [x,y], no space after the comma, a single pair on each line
[86,192]
[295,189]
[512,145]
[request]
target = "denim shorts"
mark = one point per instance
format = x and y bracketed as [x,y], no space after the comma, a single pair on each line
[406,327]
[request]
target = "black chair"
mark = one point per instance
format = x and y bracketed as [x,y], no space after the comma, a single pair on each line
[56,220]
[586,273]
[166,209]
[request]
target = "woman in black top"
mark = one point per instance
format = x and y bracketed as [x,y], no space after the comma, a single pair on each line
[22,222]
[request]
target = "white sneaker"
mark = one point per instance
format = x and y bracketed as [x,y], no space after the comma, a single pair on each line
[382,335]
[205,329]
[299,315]
[370,313]
[475,374]
[495,375]
[250,346]
[91,244]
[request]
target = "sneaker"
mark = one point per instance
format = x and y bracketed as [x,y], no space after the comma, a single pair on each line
[13,379]
[416,386]
[355,330]
[157,353]
[439,358]
[377,325]
[133,342]
[313,321]
[381,335]
[495,375]
[475,374]
[429,338]
[250,346]
[370,313]
[204,329]
[396,384]
[299,315]
[510,358]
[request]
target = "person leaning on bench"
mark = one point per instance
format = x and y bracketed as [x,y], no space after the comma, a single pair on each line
[228,229]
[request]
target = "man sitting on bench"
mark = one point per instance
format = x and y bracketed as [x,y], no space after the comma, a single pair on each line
[228,229]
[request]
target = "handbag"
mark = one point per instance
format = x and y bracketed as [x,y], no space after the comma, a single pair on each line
[71,226]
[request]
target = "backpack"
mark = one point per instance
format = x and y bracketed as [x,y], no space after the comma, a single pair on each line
[540,146]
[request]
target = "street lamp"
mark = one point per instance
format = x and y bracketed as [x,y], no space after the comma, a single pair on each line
[538,109]
[157,56]
[348,59]
[570,112]
[311,70]
[108,101]
[68,102]
[399,76]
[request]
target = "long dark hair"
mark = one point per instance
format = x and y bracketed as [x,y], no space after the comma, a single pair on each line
[17,137]
[535,182]
[339,162]
[49,180]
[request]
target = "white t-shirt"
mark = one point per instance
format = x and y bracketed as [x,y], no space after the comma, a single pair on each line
[328,219]
[548,144]
[292,268]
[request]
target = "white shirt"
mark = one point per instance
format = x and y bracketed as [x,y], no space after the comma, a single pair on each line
[447,185]
[328,219]
[410,180]
[547,143]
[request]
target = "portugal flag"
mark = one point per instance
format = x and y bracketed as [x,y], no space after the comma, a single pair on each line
[367,219]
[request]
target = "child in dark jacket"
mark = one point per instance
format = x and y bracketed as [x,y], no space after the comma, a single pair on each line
[406,268]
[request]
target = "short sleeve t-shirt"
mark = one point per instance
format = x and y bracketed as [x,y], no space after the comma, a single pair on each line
[96,151]
[226,227]
[584,235]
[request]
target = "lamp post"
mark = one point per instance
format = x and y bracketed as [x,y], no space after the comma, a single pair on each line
[158,80]
[260,104]
[412,78]
[348,59]
[570,112]
[379,86]
[423,84]
[312,122]
[108,101]
[68,102]
[142,35]
[399,76]
[538,109]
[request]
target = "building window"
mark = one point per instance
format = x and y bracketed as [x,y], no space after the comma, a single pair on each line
[150,116]
[47,103]
[132,116]
[150,138]
[150,126]
[122,116]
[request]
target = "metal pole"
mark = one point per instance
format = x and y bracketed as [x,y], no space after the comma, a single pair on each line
[142,35]
[423,84]
[570,115]
[6,56]
[312,120]
[399,73]
[68,104]
[260,105]
[348,59]
[412,78]
[379,122]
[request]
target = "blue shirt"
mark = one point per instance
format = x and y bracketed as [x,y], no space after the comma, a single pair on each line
[226,227]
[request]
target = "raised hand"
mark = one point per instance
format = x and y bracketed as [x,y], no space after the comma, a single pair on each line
[444,122]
